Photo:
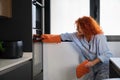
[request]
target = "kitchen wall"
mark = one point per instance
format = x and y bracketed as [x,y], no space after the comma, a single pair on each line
[19,26]
[115,48]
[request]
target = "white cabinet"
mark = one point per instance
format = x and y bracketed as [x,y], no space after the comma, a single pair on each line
[59,61]
[6,8]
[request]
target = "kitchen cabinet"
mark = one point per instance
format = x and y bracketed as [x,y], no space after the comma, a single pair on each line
[16,69]
[6,8]
[22,72]
[60,61]
[115,68]
[19,26]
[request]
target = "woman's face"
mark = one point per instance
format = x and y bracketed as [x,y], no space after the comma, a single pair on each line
[79,30]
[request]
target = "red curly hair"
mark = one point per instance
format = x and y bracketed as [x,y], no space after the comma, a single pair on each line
[88,26]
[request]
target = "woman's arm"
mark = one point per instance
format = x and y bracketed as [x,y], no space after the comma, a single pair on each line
[103,51]
[92,63]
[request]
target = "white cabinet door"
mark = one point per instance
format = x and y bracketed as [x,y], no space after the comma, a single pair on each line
[59,61]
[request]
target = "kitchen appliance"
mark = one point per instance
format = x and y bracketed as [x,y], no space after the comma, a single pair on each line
[40,25]
[38,29]
[11,49]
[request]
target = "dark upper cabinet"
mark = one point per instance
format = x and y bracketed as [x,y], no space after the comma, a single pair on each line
[19,26]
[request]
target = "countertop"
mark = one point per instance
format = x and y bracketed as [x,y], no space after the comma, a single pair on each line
[116,62]
[8,63]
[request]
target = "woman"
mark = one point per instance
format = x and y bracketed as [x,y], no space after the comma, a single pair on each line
[92,46]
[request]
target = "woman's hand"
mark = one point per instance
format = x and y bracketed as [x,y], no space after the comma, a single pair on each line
[81,69]
[45,36]
[89,64]
[48,38]
[92,63]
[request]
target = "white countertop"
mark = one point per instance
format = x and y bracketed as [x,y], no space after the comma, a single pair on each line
[116,61]
[7,63]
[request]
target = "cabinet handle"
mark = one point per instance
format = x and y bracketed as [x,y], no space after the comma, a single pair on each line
[37,3]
